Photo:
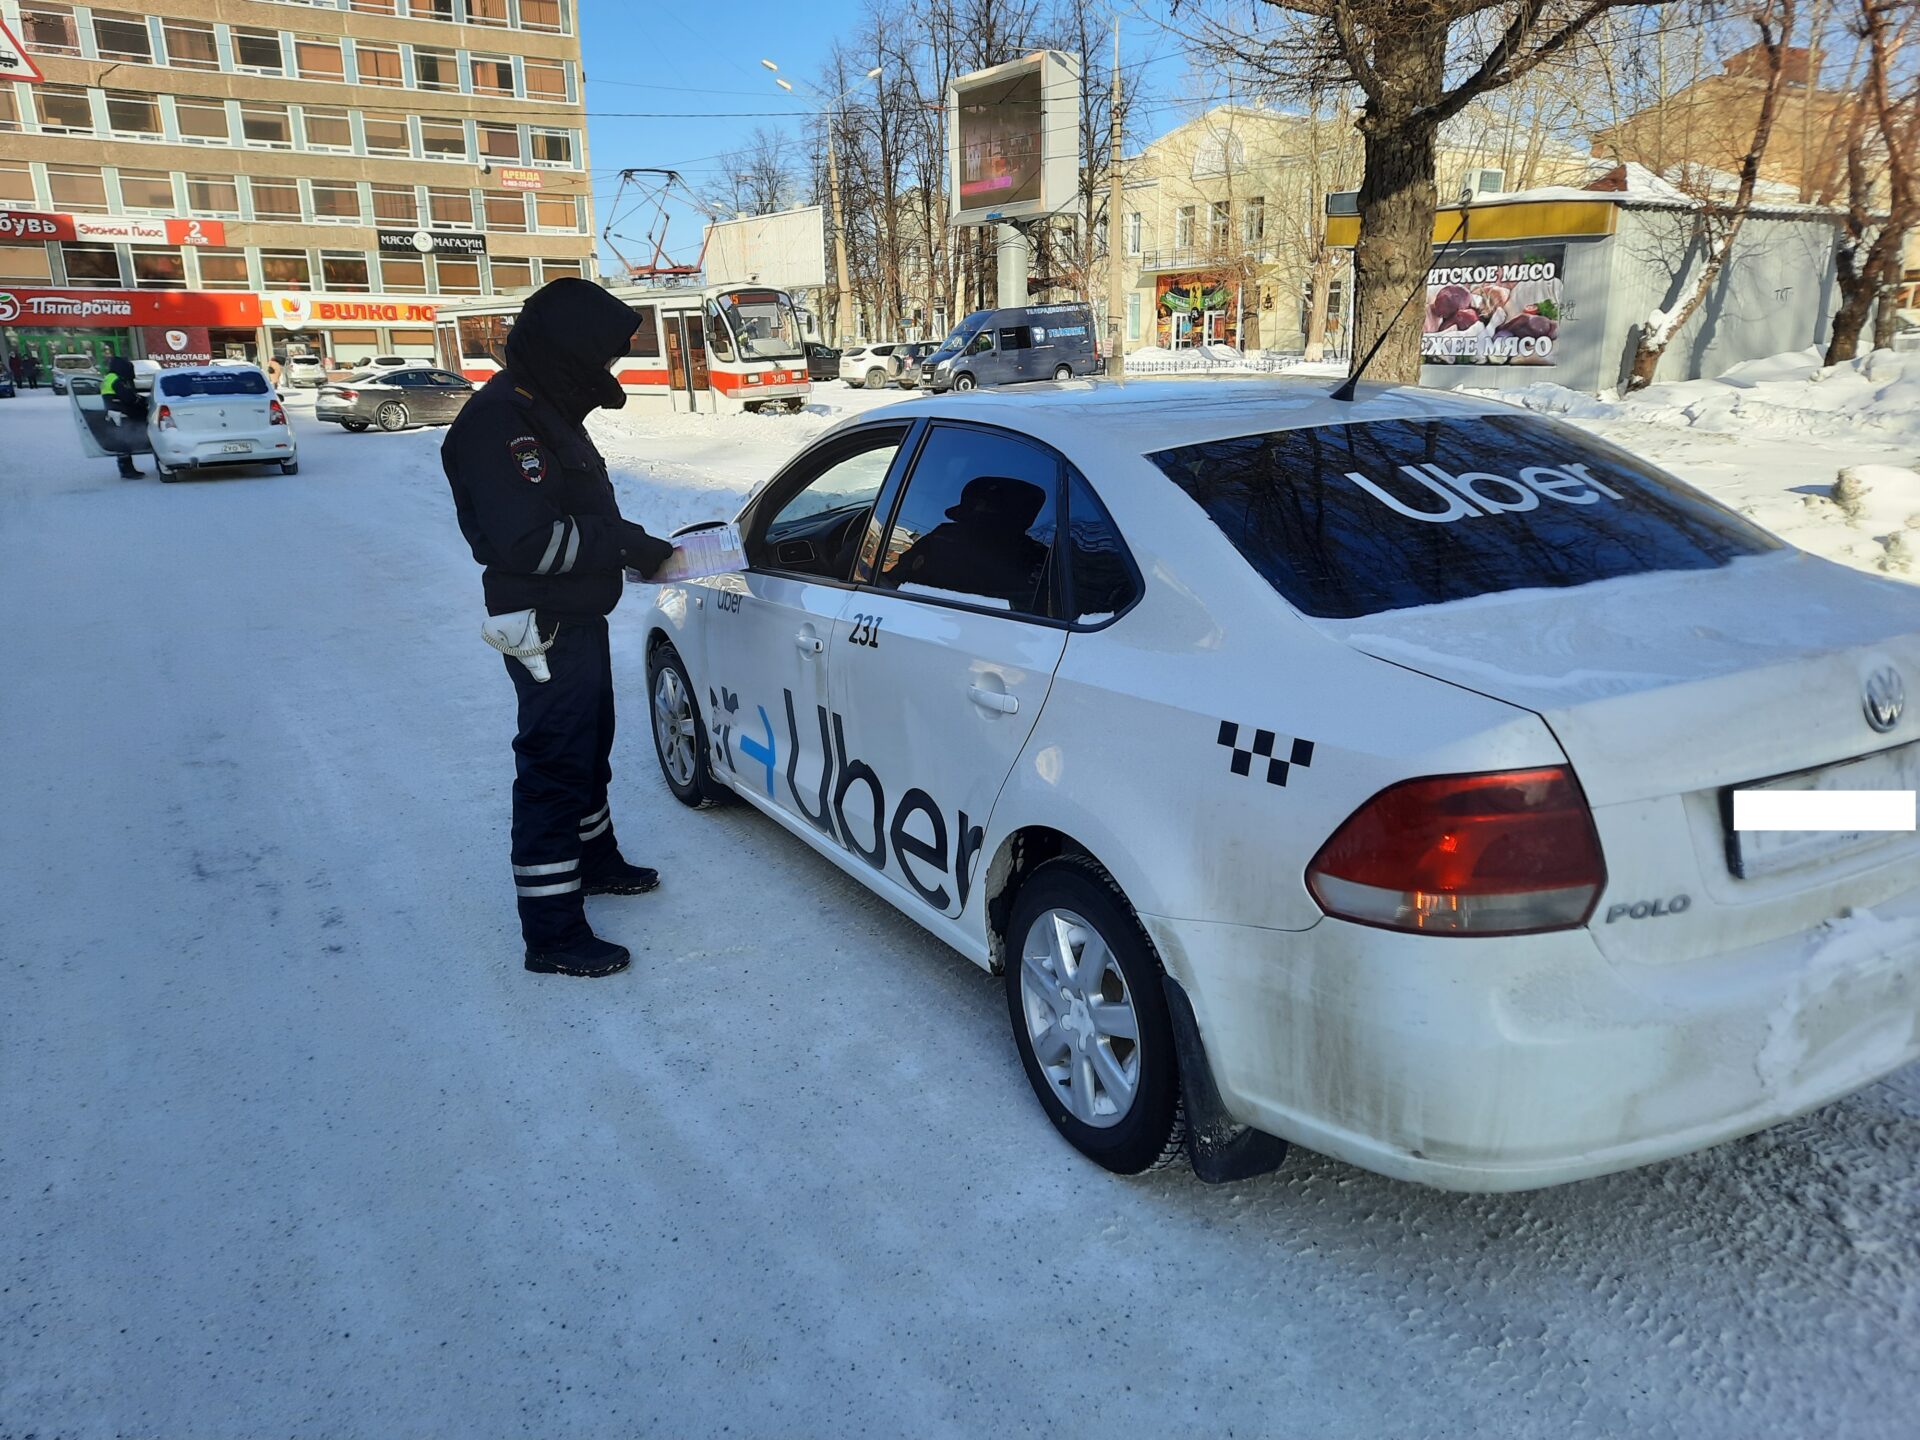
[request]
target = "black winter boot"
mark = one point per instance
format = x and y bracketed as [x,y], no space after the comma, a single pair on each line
[617,877]
[589,959]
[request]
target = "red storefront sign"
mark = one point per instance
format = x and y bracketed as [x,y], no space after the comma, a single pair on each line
[109,229]
[201,309]
[180,345]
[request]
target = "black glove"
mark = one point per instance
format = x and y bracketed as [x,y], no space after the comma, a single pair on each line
[641,551]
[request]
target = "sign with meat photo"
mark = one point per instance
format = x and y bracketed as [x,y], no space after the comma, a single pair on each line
[1495,305]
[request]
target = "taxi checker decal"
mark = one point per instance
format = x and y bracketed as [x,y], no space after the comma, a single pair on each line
[526,453]
[1301,753]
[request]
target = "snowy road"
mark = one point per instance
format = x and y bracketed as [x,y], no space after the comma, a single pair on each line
[290,1145]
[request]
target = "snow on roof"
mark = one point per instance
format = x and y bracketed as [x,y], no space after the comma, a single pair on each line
[1645,189]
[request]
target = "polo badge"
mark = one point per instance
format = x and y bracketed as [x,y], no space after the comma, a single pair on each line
[526,453]
[1299,752]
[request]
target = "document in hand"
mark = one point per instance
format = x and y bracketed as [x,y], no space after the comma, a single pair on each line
[704,552]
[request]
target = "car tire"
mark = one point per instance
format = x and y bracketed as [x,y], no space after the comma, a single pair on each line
[392,415]
[963,382]
[355,426]
[167,473]
[671,703]
[1069,902]
[1062,372]
[289,467]
[876,379]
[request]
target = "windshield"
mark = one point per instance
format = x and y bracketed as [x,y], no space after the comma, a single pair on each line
[764,324]
[213,382]
[1349,520]
[72,362]
[969,327]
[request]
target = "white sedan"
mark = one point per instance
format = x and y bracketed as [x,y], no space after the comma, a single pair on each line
[206,416]
[1357,774]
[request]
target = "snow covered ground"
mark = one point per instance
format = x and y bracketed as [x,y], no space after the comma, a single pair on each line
[289,1144]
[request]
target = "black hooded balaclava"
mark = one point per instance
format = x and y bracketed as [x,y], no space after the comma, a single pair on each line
[560,345]
[122,369]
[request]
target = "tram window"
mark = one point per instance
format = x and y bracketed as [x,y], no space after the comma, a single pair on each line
[646,340]
[718,340]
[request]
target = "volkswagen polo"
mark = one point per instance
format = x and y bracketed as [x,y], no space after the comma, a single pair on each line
[1355,774]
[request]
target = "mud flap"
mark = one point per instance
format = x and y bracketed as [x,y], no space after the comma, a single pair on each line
[1220,1147]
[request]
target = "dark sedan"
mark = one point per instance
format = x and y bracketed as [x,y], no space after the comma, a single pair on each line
[393,399]
[823,362]
[910,357]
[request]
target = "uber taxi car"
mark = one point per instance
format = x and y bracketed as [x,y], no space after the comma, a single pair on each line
[1356,774]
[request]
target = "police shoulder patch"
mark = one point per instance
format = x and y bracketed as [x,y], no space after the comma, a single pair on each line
[526,454]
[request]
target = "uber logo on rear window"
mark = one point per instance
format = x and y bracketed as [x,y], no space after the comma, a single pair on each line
[1300,752]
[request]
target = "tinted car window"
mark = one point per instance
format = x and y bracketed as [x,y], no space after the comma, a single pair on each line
[976,523]
[1348,520]
[442,377]
[222,382]
[1103,583]
[818,530]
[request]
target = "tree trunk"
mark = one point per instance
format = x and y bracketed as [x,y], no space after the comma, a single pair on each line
[1857,278]
[1887,286]
[1396,244]
[1320,281]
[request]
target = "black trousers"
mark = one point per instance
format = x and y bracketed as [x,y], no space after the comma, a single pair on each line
[562,828]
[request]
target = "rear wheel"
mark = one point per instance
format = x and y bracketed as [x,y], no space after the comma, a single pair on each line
[679,735]
[876,379]
[963,382]
[1063,372]
[356,426]
[1090,1018]
[391,416]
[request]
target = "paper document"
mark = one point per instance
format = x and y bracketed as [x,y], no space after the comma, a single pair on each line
[705,552]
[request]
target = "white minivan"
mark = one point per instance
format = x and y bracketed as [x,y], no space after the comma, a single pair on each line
[207,415]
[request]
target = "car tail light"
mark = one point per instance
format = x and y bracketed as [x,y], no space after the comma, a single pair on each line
[346,394]
[164,420]
[1505,853]
[279,415]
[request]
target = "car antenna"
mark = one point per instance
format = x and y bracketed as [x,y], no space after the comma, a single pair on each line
[1348,385]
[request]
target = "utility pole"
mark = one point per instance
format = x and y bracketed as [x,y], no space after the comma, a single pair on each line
[1116,230]
[844,308]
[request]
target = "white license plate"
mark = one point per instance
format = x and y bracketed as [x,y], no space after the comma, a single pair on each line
[235,447]
[1767,852]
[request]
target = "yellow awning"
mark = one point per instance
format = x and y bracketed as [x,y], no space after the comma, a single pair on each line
[1526,220]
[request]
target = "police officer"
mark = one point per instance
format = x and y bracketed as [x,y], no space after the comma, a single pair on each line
[536,506]
[123,399]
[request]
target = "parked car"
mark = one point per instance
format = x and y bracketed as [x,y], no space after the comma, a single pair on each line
[214,415]
[1359,774]
[869,365]
[910,357]
[823,362]
[305,371]
[393,399]
[6,384]
[391,362]
[144,373]
[65,367]
[1004,347]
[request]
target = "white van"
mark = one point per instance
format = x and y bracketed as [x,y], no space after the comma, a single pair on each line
[204,415]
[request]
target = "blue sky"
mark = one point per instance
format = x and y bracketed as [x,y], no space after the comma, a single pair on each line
[674,84]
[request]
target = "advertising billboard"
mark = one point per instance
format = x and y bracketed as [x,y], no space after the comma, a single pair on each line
[1495,305]
[1013,139]
[787,249]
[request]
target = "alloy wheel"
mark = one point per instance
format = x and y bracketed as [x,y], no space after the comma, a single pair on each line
[1080,1018]
[673,725]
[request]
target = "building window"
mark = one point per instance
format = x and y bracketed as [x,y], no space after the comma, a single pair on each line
[131,114]
[443,139]
[336,200]
[201,121]
[551,147]
[1133,315]
[16,185]
[190,45]
[119,36]
[546,79]
[77,189]
[50,29]
[456,277]
[492,75]
[25,265]
[542,15]
[395,205]
[91,265]
[507,212]
[146,190]
[488,12]
[378,64]
[343,272]
[375,7]
[159,269]
[1133,232]
[386,134]
[276,200]
[435,70]
[450,208]
[403,275]
[258,50]
[500,142]
[285,270]
[557,269]
[9,109]
[1253,223]
[430,9]
[556,212]
[318,59]
[1183,228]
[1219,225]
[213,195]
[223,269]
[327,129]
[267,125]
[512,275]
[63,109]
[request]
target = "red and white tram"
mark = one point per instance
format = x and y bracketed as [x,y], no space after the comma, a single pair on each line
[698,348]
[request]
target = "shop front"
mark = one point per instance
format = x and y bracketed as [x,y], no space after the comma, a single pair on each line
[1196,308]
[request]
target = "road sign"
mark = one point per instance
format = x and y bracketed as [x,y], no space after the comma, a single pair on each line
[14,64]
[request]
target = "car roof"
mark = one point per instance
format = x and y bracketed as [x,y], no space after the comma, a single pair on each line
[1148,415]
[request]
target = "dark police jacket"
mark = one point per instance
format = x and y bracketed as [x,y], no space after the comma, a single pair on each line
[535,504]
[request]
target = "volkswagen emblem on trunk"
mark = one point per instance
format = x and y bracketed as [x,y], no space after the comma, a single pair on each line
[1886,697]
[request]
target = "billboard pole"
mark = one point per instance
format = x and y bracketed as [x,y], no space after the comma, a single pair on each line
[1116,232]
[1014,253]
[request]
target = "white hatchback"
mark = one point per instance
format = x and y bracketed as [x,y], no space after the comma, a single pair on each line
[1357,774]
[210,415]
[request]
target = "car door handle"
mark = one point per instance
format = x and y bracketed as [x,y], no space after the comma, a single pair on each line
[809,644]
[997,700]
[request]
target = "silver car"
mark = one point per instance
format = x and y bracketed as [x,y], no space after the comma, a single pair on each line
[393,399]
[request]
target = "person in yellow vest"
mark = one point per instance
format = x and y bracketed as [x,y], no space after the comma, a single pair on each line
[126,402]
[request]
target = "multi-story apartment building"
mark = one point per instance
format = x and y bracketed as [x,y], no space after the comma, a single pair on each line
[245,177]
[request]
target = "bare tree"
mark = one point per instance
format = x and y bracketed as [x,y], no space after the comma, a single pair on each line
[757,179]
[1882,209]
